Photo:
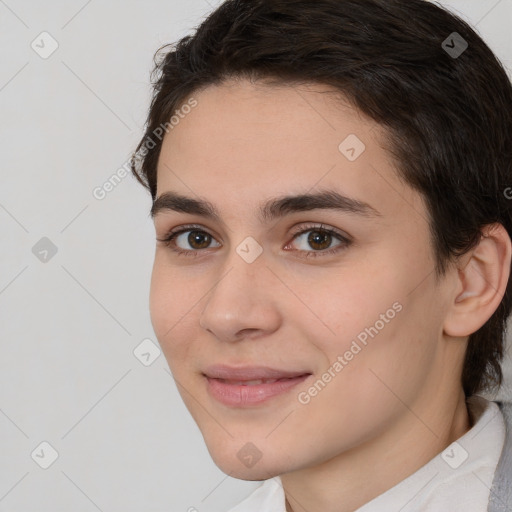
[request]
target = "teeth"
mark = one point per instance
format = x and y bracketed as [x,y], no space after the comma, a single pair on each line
[249,382]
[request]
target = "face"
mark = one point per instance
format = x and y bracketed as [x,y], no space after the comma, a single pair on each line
[335,291]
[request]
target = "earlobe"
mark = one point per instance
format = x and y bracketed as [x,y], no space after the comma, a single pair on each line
[481,283]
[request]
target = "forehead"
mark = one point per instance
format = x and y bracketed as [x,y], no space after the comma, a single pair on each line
[245,141]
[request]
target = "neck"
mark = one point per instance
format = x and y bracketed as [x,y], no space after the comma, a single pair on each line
[355,477]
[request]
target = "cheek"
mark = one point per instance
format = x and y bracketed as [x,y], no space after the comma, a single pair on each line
[368,384]
[341,304]
[382,362]
[370,319]
[161,301]
[171,305]
[382,294]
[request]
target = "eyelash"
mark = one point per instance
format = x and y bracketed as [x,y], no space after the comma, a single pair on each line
[171,236]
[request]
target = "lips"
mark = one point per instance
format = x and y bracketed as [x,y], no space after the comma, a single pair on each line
[251,375]
[247,386]
[249,393]
[249,382]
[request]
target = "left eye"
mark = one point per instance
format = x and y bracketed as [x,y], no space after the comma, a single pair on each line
[318,239]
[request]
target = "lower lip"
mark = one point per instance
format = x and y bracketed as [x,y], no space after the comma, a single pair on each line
[240,396]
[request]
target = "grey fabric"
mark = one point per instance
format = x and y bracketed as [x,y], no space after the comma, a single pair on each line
[500,499]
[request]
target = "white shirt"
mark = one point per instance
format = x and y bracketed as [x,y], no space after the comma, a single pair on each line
[459,478]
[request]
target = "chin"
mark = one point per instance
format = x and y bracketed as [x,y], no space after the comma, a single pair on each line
[239,465]
[255,474]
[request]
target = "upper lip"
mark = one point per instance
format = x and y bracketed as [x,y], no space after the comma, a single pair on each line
[221,371]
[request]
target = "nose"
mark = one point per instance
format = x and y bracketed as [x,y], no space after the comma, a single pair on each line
[242,301]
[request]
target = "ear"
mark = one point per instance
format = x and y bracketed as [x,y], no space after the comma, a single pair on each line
[482,280]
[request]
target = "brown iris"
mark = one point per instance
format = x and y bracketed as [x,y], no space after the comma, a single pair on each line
[318,237]
[196,237]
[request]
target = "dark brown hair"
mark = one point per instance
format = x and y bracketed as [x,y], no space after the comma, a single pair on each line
[447,109]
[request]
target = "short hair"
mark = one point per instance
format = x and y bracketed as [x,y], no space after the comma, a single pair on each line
[418,70]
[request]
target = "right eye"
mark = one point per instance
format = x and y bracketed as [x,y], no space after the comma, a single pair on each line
[197,239]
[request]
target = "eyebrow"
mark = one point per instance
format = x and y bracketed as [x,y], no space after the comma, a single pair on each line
[271,209]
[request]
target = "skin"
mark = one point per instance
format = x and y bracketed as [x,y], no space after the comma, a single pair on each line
[399,401]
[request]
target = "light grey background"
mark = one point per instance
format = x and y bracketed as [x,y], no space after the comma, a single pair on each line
[69,326]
